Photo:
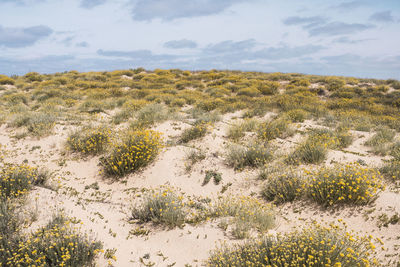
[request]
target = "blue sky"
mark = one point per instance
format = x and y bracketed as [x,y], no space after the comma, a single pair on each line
[352,38]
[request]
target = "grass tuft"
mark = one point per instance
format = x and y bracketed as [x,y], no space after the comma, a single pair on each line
[253,155]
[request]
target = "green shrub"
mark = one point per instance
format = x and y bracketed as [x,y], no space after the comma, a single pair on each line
[149,115]
[211,104]
[136,150]
[89,140]
[178,102]
[129,108]
[251,92]
[301,82]
[33,77]
[195,132]
[278,128]
[6,80]
[217,176]
[308,152]
[334,84]
[253,155]
[348,184]
[162,207]
[297,115]
[315,245]
[283,188]
[268,87]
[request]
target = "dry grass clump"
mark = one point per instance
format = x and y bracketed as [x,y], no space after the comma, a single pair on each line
[391,170]
[56,244]
[349,184]
[37,123]
[16,180]
[253,155]
[315,245]
[395,150]
[136,150]
[128,110]
[162,207]
[380,141]
[149,115]
[246,213]
[204,117]
[89,140]
[278,128]
[192,157]
[315,148]
[238,130]
[195,132]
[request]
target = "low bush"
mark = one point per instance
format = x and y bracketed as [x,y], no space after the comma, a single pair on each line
[195,132]
[339,138]
[297,115]
[136,150]
[56,244]
[391,170]
[149,115]
[348,184]
[268,87]
[217,177]
[6,80]
[16,180]
[301,82]
[37,123]
[278,128]
[283,188]
[251,92]
[163,207]
[308,152]
[89,140]
[315,245]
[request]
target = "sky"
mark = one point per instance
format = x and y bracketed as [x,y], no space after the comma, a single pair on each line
[358,38]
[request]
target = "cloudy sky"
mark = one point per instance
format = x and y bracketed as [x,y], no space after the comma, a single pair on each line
[353,38]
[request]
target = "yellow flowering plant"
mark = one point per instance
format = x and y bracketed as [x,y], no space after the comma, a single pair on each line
[137,150]
[314,245]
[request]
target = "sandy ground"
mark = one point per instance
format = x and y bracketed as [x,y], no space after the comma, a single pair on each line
[104,213]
